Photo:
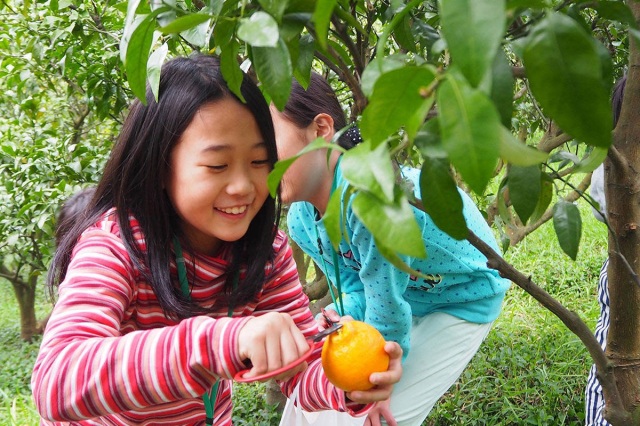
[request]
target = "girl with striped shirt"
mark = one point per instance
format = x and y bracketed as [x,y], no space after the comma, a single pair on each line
[177,277]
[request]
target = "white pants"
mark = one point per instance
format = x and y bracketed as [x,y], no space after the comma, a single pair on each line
[441,347]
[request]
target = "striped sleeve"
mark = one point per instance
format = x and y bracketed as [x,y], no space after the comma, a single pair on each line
[283,293]
[87,367]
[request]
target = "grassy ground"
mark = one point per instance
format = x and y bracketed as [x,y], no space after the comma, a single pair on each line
[530,371]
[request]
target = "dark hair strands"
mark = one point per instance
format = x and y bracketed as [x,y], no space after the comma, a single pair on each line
[139,162]
[305,104]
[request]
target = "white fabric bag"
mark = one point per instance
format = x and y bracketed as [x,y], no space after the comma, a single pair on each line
[296,416]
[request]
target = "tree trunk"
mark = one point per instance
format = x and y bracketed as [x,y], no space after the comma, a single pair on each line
[26,295]
[622,177]
[274,395]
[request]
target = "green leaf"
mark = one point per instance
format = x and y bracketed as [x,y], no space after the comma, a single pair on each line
[154,66]
[441,199]
[401,97]
[321,18]
[259,30]
[185,22]
[138,55]
[524,190]
[502,83]
[615,11]
[591,161]
[473,30]
[275,8]
[274,69]
[518,153]
[429,141]
[471,130]
[306,51]
[224,31]
[130,23]
[568,226]
[331,217]
[378,66]
[397,261]
[545,198]
[230,68]
[565,72]
[275,176]
[402,35]
[393,225]
[370,170]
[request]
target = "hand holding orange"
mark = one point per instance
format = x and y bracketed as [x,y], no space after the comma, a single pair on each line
[352,353]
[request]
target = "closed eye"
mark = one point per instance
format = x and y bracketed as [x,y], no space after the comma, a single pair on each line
[217,168]
[260,162]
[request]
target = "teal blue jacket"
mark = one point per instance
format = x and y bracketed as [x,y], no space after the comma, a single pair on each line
[458,280]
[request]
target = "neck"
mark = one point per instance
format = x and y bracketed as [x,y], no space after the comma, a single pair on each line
[320,199]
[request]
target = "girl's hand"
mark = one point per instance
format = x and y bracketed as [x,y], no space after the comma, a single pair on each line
[381,409]
[272,341]
[330,315]
[383,381]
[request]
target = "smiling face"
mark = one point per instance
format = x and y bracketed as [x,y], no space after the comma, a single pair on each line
[218,175]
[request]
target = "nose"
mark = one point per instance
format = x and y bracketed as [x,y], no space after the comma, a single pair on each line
[240,183]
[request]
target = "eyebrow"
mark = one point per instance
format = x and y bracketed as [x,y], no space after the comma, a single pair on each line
[227,147]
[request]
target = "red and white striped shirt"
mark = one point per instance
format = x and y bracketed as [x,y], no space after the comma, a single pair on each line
[110,356]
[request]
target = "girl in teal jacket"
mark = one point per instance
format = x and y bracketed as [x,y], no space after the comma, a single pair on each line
[440,319]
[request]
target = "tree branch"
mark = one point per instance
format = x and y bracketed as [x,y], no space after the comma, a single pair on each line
[569,318]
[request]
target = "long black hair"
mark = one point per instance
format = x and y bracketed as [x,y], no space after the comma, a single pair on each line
[305,104]
[139,163]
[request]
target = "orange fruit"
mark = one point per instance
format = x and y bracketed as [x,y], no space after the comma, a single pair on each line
[352,353]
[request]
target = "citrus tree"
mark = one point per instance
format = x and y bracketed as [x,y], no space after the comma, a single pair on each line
[462,89]
[60,94]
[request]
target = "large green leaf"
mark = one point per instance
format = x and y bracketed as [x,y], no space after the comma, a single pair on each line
[154,66]
[616,11]
[138,54]
[185,23]
[518,153]
[403,36]
[471,131]
[302,69]
[441,199]
[565,72]
[502,83]
[259,30]
[401,98]
[545,198]
[524,190]
[378,66]
[591,162]
[473,30]
[397,261]
[274,69]
[321,18]
[568,226]
[331,217]
[230,68]
[275,8]
[370,170]
[275,176]
[393,225]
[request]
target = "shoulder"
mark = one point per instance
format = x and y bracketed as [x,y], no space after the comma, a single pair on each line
[105,236]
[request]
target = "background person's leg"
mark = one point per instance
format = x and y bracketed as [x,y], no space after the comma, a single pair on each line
[441,347]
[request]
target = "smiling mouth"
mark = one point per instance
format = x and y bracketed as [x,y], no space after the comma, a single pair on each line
[234,210]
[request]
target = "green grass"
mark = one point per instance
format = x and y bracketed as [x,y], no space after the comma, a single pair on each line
[530,371]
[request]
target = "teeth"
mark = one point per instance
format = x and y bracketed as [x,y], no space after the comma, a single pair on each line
[234,210]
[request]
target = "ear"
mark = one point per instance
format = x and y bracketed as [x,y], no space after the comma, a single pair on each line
[324,126]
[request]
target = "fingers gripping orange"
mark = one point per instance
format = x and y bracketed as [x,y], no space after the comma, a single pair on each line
[351,354]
